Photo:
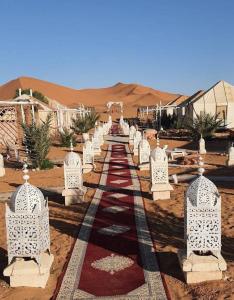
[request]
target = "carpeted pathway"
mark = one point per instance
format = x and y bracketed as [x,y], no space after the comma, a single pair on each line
[113,257]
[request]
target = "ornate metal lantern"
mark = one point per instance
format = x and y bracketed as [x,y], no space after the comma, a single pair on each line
[202,216]
[27,222]
[73,171]
[159,166]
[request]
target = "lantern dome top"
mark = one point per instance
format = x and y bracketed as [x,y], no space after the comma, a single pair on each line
[27,199]
[159,154]
[202,192]
[72,159]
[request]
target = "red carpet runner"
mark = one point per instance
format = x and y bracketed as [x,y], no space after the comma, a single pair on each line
[112,256]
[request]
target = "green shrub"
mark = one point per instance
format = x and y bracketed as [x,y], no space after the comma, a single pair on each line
[46,164]
[37,141]
[66,137]
[82,124]
[203,125]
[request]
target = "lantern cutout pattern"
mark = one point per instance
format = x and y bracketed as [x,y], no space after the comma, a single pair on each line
[160,186]
[202,260]
[27,221]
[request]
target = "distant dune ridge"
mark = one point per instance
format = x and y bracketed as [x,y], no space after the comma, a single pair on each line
[132,95]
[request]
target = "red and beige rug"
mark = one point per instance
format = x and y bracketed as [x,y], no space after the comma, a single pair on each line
[113,257]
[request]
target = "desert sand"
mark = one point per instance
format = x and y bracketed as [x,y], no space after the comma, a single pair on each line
[166,222]
[132,95]
[64,221]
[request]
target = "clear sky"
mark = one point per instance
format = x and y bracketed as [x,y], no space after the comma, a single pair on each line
[172,45]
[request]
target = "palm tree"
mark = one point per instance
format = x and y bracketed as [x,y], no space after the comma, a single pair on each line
[82,124]
[37,141]
[203,125]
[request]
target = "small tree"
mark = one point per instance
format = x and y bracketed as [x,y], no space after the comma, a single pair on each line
[37,141]
[203,125]
[66,137]
[92,118]
[82,124]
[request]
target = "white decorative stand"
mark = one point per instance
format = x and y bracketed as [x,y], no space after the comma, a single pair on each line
[28,237]
[136,140]
[202,260]
[160,186]
[230,161]
[74,190]
[132,132]
[144,154]
[202,146]
[88,157]
[2,169]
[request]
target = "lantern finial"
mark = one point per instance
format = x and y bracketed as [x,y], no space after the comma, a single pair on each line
[201,170]
[25,171]
[158,141]
[71,145]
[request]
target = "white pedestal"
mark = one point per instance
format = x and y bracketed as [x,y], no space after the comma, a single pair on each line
[2,172]
[230,162]
[73,196]
[87,168]
[161,191]
[198,268]
[28,272]
[144,166]
[97,151]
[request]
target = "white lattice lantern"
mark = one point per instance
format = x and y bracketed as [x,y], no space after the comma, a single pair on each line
[74,189]
[160,186]
[27,221]
[28,237]
[202,213]
[88,157]
[202,216]
[136,140]
[144,154]
[2,169]
[132,131]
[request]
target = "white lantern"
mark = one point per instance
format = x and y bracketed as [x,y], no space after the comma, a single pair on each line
[159,174]
[27,222]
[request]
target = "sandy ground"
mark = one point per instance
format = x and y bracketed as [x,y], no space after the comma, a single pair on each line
[166,217]
[165,220]
[64,222]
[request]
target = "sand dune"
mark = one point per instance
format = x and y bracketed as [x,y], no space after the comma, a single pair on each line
[133,95]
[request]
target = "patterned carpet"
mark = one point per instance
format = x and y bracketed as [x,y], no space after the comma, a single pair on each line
[113,257]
